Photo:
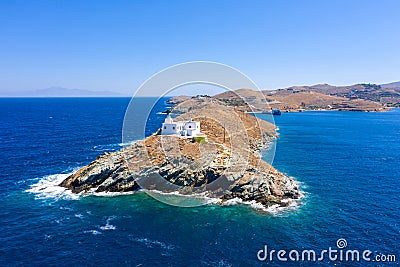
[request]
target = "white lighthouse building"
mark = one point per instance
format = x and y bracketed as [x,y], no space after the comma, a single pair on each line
[182,128]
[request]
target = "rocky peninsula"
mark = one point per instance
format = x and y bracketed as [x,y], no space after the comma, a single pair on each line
[225,163]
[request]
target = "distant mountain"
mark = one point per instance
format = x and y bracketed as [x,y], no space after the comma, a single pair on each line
[60,92]
[394,84]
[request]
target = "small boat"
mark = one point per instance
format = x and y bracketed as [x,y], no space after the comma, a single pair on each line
[276,112]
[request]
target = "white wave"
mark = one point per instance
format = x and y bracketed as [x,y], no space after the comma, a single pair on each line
[114,145]
[177,193]
[66,208]
[104,147]
[274,209]
[212,200]
[291,204]
[124,144]
[233,201]
[238,201]
[173,193]
[203,198]
[79,215]
[48,187]
[198,196]
[94,232]
[108,194]
[108,226]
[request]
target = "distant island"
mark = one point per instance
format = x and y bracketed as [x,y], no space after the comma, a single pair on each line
[358,97]
[222,162]
[60,92]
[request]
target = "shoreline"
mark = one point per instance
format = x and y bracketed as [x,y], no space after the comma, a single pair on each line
[328,110]
[48,187]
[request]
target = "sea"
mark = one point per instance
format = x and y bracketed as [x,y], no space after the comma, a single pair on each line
[346,163]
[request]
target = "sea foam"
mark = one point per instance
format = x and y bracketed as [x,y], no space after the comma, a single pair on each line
[93,232]
[108,226]
[48,187]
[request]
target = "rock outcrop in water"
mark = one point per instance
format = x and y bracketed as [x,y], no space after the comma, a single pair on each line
[227,166]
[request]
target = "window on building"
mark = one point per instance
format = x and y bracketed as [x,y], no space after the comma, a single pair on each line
[173,128]
[165,127]
[190,126]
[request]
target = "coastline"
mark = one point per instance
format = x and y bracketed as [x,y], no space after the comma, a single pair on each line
[386,109]
[48,187]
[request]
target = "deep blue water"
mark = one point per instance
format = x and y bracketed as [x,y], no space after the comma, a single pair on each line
[347,163]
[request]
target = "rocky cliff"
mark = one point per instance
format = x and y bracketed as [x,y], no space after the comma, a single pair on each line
[224,163]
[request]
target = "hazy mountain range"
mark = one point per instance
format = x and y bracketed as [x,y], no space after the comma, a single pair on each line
[394,84]
[60,92]
[384,93]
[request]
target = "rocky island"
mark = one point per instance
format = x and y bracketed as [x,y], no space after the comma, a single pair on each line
[224,163]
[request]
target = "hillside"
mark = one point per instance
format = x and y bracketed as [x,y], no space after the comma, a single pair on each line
[369,97]
[244,99]
[358,97]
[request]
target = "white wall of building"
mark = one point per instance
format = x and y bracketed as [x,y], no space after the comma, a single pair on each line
[182,128]
[192,128]
[169,128]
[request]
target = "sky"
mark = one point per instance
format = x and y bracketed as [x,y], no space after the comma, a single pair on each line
[117,45]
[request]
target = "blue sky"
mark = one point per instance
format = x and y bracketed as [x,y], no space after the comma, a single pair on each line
[116,45]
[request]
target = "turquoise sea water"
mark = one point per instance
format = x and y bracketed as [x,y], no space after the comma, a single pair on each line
[347,164]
